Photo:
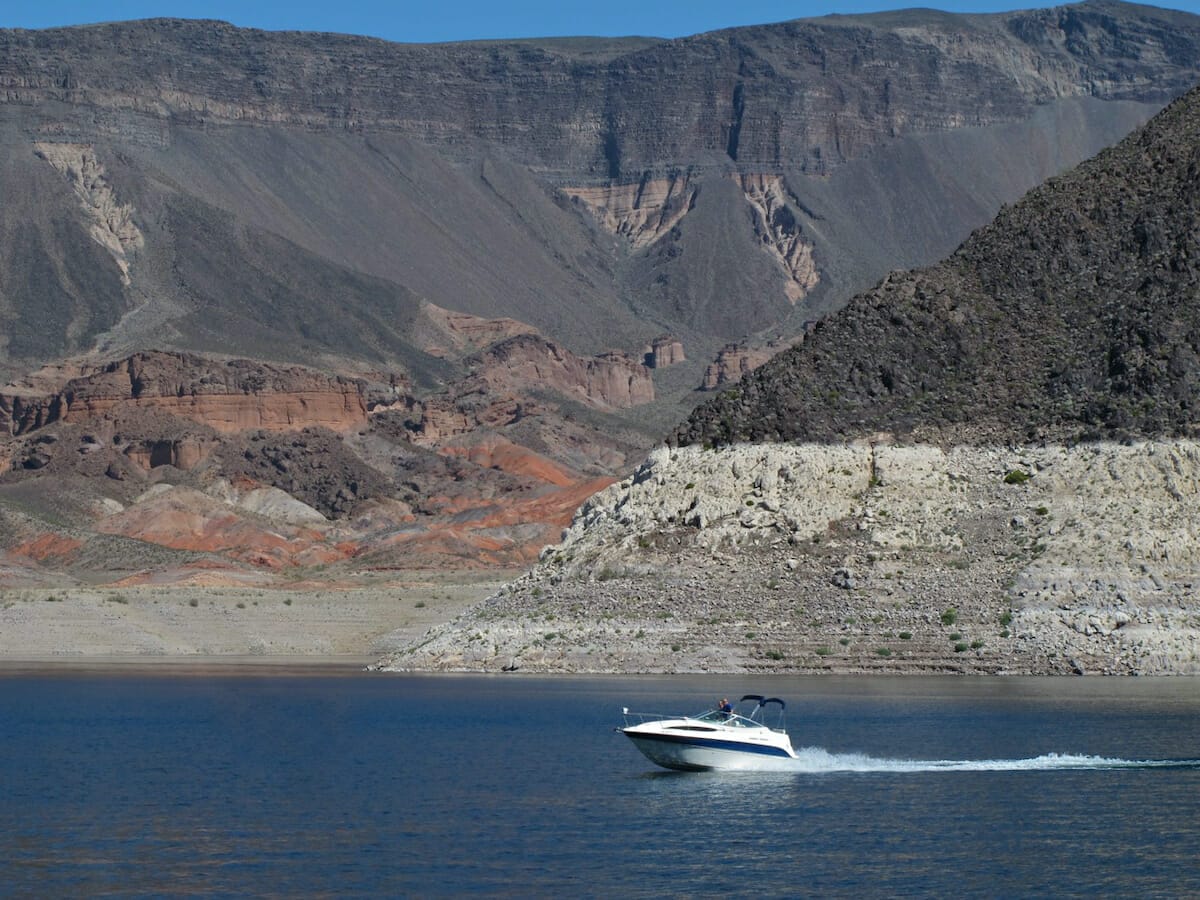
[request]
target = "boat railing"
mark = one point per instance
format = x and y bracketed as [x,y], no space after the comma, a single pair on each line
[641,718]
[716,716]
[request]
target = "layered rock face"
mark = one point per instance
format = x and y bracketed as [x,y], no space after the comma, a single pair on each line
[816,558]
[437,246]
[508,382]
[735,361]
[459,334]
[753,96]
[111,222]
[645,212]
[610,380]
[664,351]
[778,227]
[230,396]
[642,212]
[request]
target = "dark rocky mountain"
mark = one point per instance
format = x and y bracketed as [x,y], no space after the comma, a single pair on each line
[1075,315]
[415,289]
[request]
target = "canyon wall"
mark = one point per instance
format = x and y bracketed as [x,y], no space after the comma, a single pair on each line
[192,185]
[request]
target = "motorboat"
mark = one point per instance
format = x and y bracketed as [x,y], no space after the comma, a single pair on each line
[720,738]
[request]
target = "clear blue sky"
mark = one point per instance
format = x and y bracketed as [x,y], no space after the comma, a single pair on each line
[424,21]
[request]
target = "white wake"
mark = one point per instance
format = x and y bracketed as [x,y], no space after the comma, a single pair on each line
[818,760]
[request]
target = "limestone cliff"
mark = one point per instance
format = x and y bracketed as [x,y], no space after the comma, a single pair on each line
[192,185]
[857,557]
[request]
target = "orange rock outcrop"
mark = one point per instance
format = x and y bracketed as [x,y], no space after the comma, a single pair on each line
[120,422]
[185,519]
[456,334]
[665,350]
[494,452]
[612,380]
[48,546]
[185,453]
[226,395]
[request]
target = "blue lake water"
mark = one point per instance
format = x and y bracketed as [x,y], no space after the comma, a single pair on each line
[384,785]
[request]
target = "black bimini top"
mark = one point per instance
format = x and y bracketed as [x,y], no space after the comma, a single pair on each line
[763,701]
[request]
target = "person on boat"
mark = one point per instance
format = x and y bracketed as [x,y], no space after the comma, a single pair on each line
[726,708]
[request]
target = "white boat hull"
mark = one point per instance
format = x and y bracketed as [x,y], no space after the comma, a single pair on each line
[676,746]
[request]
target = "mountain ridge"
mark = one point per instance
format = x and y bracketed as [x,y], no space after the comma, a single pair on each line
[607,117]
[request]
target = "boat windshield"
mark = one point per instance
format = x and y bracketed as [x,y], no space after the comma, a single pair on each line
[724,718]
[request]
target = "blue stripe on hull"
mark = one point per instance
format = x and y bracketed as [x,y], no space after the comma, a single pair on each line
[709,744]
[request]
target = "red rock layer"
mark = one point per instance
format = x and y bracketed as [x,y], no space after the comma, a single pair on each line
[495,452]
[229,395]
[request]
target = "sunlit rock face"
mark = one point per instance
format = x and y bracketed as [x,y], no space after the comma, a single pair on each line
[814,558]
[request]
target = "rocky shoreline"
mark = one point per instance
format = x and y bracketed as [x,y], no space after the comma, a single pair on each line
[860,558]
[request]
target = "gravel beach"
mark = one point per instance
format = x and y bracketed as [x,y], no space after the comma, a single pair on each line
[220,627]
